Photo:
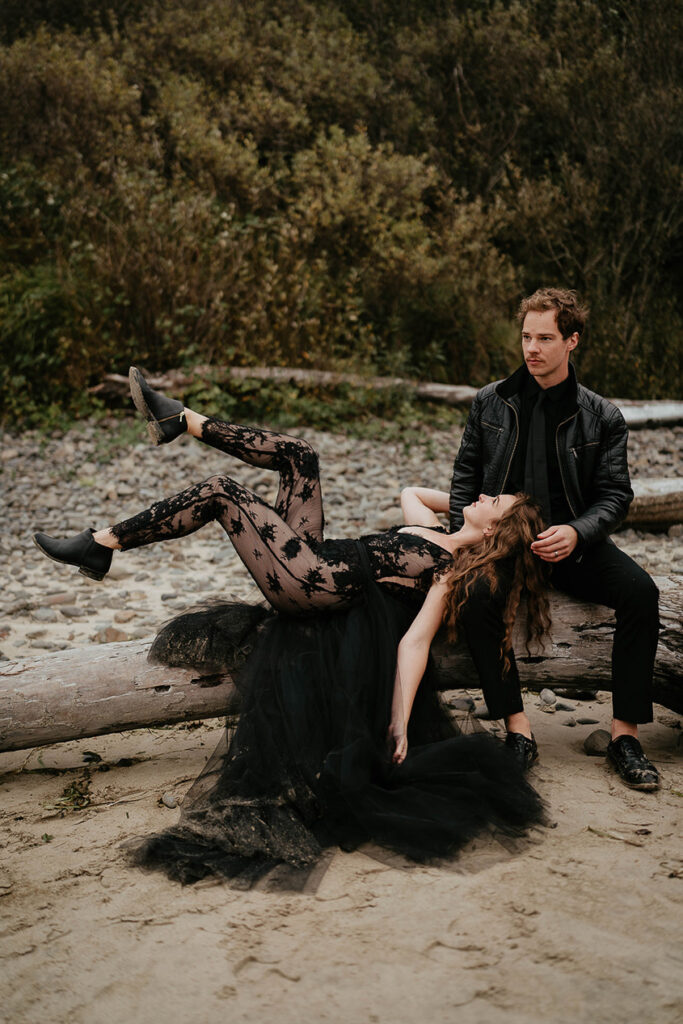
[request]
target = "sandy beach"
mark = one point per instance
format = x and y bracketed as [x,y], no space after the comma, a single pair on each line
[581,923]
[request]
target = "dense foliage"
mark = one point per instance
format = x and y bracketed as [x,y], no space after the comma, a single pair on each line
[366,184]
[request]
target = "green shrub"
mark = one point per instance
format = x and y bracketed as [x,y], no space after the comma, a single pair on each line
[39,357]
[335,185]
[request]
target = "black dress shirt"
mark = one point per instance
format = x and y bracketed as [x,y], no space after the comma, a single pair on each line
[558,407]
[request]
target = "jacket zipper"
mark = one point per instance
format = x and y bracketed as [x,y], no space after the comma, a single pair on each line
[514,447]
[559,462]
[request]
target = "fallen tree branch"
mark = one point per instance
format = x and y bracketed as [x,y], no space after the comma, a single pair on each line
[659,413]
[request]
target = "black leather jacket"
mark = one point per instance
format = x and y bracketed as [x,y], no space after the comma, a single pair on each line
[591,449]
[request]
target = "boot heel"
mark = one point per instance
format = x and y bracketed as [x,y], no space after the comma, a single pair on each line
[156,434]
[91,574]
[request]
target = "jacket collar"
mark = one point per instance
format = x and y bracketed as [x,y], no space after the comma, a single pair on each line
[511,388]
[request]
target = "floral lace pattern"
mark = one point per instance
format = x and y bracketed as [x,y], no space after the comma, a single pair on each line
[282,545]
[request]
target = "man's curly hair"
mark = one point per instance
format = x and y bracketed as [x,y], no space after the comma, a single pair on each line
[571,314]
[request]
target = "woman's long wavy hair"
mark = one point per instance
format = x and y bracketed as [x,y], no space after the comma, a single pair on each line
[510,540]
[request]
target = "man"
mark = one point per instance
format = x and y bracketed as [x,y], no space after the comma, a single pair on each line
[542,432]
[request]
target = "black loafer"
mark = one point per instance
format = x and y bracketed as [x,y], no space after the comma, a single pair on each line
[524,749]
[165,416]
[626,754]
[93,559]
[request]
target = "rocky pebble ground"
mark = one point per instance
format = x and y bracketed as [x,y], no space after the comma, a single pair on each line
[98,473]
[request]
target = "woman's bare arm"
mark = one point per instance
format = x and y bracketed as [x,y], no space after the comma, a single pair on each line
[420,505]
[413,652]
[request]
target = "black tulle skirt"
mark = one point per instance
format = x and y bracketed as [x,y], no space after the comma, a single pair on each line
[307,767]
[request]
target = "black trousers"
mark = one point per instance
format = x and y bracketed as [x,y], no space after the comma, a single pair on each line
[604,575]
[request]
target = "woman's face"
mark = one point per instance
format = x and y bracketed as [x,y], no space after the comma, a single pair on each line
[486,510]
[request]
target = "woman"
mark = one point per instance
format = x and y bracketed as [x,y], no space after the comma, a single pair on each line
[508,526]
[308,764]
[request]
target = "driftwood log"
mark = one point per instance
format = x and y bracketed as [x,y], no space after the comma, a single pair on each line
[661,413]
[657,503]
[100,689]
[112,687]
[115,385]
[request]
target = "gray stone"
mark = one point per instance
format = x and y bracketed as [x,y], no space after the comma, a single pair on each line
[50,501]
[587,721]
[561,706]
[118,573]
[110,635]
[45,615]
[570,722]
[60,597]
[125,615]
[595,744]
[462,704]
[168,800]
[547,696]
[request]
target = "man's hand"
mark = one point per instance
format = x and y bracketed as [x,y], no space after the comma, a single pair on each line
[555,543]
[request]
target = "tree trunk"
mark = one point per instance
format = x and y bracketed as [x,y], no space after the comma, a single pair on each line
[111,687]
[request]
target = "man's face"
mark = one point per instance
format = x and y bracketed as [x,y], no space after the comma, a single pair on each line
[546,352]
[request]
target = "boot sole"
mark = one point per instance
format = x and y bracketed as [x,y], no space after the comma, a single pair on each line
[154,430]
[92,574]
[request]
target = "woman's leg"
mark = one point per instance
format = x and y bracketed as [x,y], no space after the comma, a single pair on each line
[299,500]
[297,517]
[283,564]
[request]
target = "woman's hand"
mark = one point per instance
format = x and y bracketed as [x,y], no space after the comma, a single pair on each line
[397,741]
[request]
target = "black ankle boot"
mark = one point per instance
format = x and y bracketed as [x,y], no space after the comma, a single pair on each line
[523,749]
[92,559]
[165,416]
